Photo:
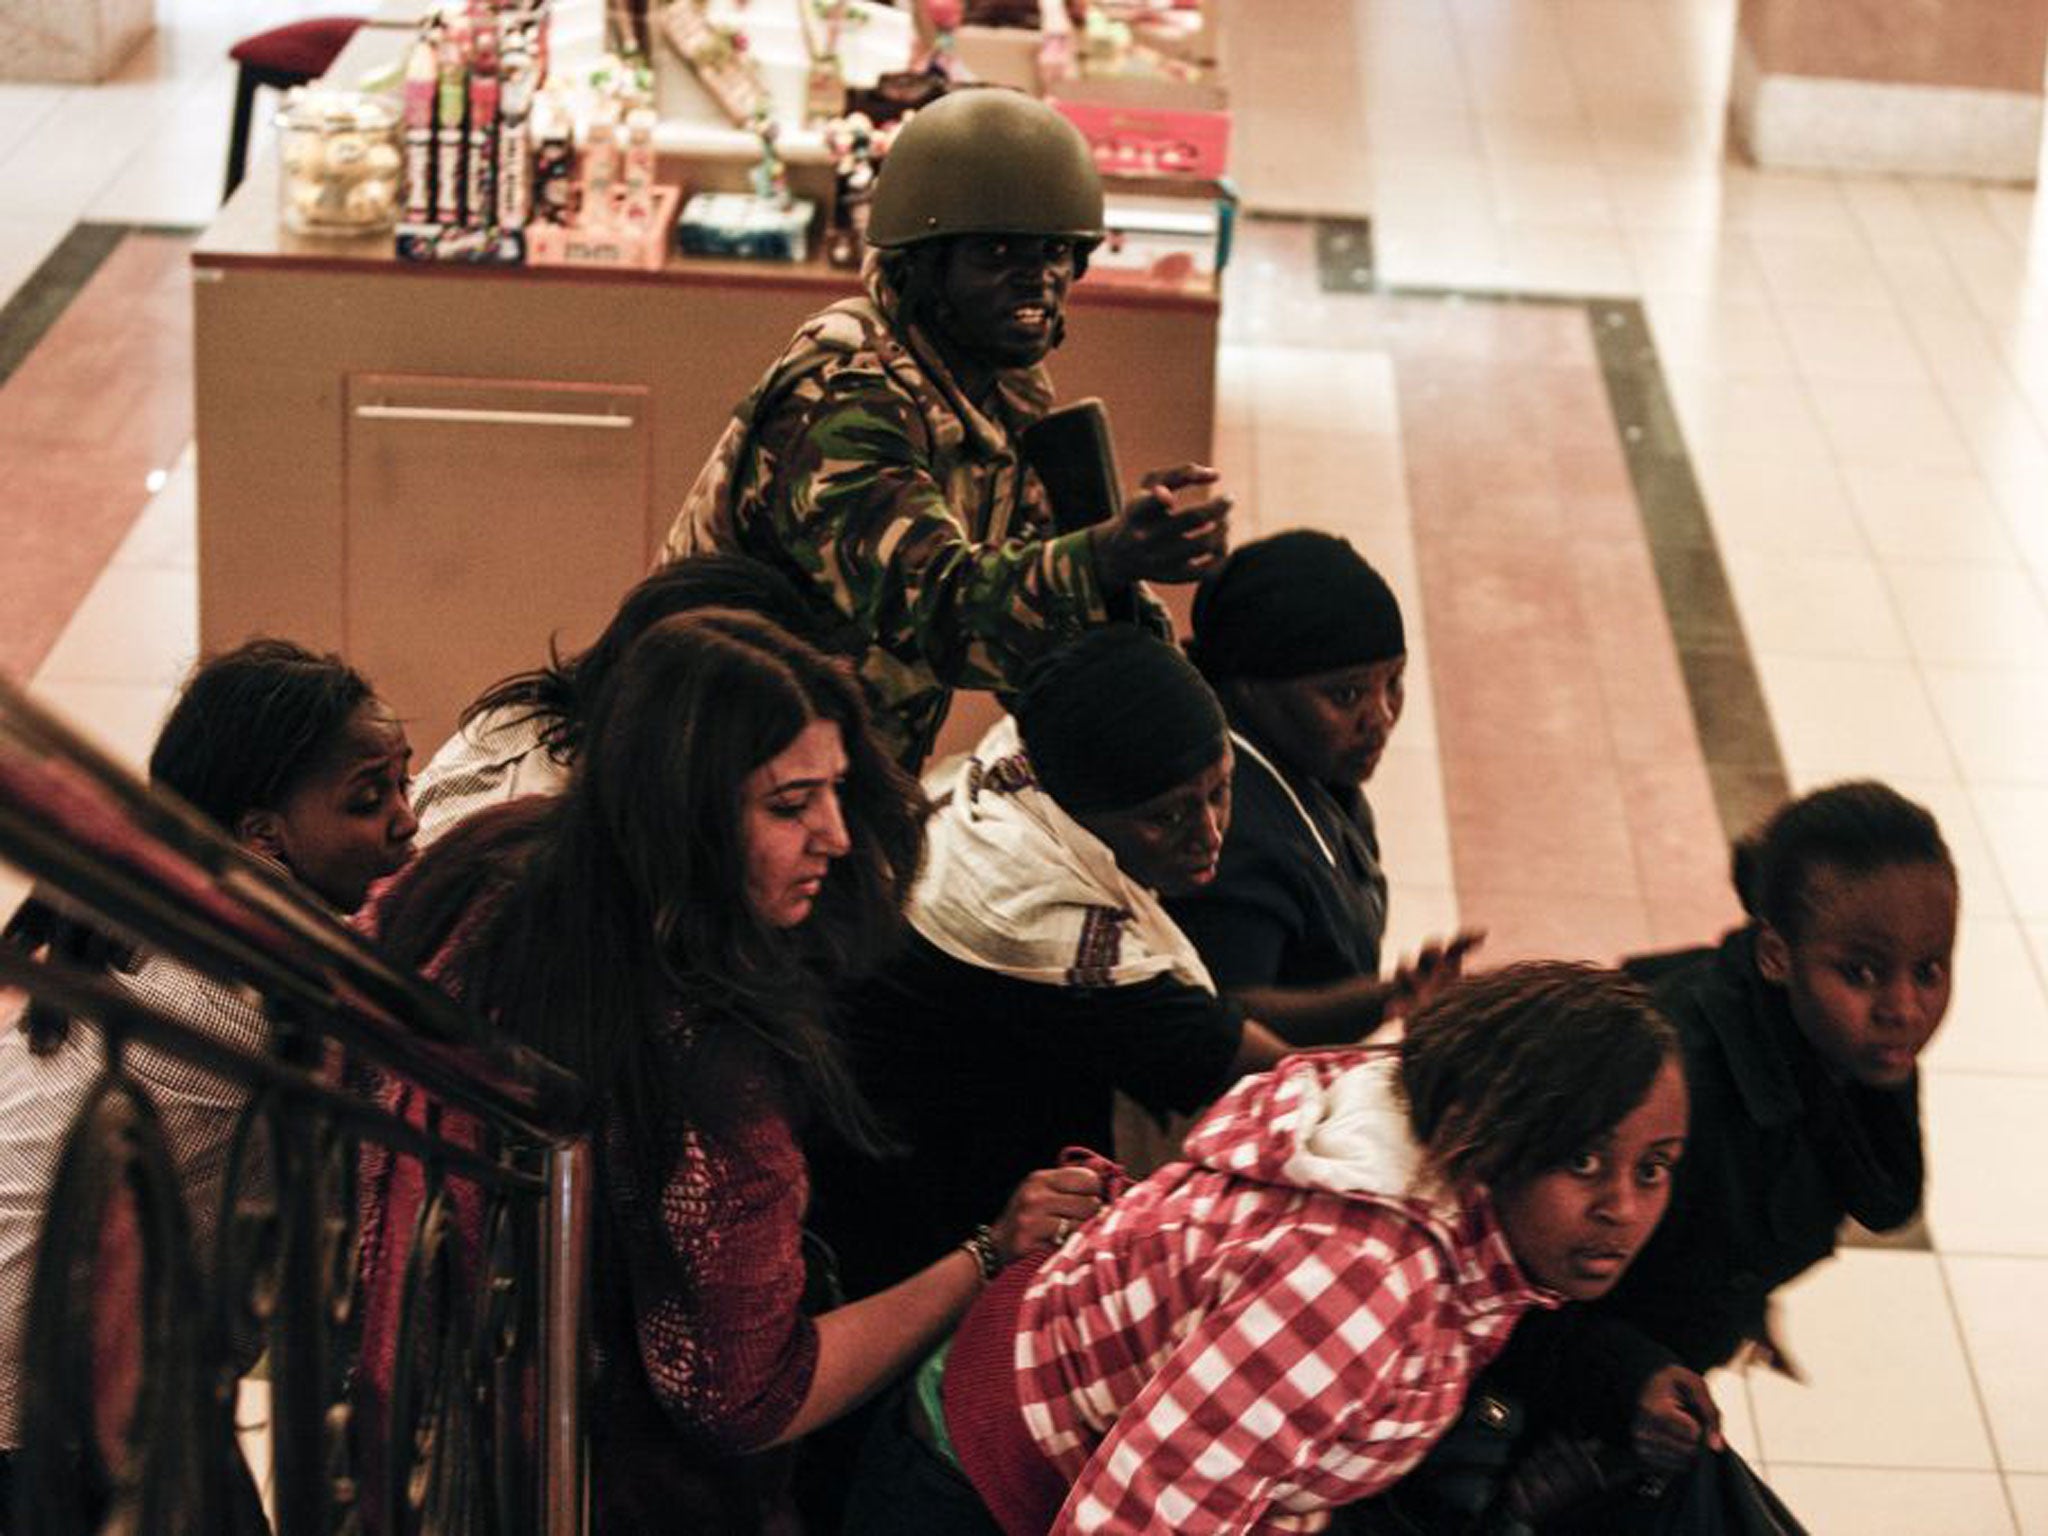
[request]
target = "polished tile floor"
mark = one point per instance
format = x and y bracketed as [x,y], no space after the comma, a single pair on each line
[1844,380]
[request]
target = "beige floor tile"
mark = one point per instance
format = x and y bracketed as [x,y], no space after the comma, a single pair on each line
[1323,389]
[1996,719]
[1926,285]
[1993,273]
[1464,261]
[137,625]
[1655,198]
[1836,341]
[1779,506]
[1784,207]
[1715,334]
[1956,211]
[1902,425]
[1838,270]
[166,536]
[2006,1331]
[2029,1495]
[1887,1382]
[1360,494]
[1885,1501]
[24,104]
[1998,1007]
[1844,718]
[1711,262]
[1915,517]
[2014,210]
[1965,613]
[2015,822]
[1416,914]
[174,176]
[1536,185]
[1407,798]
[1683,139]
[26,240]
[1987,1165]
[1413,149]
[1953,807]
[1815,605]
[1885,210]
[14,885]
[1586,260]
[1756,418]
[122,719]
[1513,60]
[83,144]
[2001,422]
[1738,1418]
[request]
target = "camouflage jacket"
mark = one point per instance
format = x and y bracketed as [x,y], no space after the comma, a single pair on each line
[859,469]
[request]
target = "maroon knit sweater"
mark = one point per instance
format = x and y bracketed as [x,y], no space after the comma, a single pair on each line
[700,1350]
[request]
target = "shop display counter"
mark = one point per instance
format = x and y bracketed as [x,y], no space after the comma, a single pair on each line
[438,469]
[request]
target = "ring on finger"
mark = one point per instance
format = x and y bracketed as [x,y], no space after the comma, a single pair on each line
[1059,1232]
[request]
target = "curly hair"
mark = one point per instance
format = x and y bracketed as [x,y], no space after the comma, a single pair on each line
[1509,1073]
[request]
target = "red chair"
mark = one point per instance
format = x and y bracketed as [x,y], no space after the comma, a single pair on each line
[280,58]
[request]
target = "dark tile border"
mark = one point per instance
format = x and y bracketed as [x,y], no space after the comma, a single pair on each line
[34,307]
[1344,258]
[1736,739]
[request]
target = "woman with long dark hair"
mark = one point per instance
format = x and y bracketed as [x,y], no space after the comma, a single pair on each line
[731,846]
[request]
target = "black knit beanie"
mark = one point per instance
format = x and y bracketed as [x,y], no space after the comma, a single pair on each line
[1294,605]
[1115,718]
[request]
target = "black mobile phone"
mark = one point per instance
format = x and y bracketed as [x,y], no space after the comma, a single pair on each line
[1071,452]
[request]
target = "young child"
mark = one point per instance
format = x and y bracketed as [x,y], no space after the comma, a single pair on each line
[294,757]
[1287,1320]
[1801,1033]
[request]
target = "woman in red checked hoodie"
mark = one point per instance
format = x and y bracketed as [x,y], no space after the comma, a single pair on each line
[1287,1320]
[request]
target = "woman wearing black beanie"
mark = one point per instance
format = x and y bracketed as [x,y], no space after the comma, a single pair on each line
[1043,975]
[1302,640]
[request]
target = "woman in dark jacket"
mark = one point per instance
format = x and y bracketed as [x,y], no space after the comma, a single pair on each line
[1303,642]
[1801,1033]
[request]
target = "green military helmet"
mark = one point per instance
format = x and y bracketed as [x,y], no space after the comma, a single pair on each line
[986,161]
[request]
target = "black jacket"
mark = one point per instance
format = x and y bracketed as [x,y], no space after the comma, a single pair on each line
[1779,1152]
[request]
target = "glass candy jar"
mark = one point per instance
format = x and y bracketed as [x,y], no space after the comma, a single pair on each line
[338,155]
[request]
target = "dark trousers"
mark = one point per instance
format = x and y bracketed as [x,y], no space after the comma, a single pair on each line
[903,1487]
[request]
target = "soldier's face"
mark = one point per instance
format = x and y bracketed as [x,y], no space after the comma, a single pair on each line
[1002,296]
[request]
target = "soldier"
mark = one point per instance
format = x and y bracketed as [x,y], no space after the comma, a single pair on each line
[876,463]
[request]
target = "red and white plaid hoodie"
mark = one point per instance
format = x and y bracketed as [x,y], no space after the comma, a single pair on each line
[1281,1324]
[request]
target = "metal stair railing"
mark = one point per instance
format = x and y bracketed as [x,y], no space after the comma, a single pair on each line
[129,1362]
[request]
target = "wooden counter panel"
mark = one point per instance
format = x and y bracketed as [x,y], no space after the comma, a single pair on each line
[278,340]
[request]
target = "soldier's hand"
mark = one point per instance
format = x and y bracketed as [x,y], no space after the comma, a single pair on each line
[1171,531]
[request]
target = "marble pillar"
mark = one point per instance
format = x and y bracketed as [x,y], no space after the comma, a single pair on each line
[1918,87]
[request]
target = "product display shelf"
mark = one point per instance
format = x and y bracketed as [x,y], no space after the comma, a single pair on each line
[439,468]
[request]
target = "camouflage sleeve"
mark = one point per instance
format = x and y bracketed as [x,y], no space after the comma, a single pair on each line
[859,505]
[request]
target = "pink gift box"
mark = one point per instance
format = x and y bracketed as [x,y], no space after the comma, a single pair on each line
[1151,141]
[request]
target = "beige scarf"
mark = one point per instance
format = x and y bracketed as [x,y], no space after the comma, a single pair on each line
[1014,884]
